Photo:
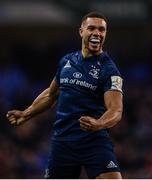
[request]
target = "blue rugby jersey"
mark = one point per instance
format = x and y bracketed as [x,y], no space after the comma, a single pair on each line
[83,83]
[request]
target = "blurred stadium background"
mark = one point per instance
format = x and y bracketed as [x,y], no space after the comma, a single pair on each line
[34,35]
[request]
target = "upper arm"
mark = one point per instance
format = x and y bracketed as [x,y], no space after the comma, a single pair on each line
[113,100]
[54,90]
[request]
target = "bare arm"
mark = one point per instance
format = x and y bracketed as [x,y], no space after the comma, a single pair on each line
[113,114]
[114,105]
[44,101]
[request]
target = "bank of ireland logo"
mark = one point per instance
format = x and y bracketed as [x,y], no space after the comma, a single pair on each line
[94,72]
[77,75]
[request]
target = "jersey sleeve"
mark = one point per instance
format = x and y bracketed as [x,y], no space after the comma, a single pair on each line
[57,75]
[113,80]
[61,64]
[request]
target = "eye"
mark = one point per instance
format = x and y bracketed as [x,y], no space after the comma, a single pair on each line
[102,29]
[91,28]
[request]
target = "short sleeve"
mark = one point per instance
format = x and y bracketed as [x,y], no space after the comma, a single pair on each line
[112,78]
[57,75]
[113,83]
[58,72]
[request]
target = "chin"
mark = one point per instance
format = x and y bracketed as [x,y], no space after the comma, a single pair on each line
[94,50]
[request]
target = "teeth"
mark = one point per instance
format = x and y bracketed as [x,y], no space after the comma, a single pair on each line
[95,40]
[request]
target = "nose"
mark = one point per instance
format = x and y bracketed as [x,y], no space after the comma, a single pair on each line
[96,32]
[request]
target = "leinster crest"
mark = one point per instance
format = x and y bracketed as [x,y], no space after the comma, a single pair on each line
[94,72]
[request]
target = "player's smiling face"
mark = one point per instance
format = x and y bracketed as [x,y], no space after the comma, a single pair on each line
[93,33]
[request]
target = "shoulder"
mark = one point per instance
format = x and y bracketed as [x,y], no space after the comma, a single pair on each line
[109,65]
[69,57]
[108,60]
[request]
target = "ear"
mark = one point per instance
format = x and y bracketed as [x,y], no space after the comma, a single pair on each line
[80,31]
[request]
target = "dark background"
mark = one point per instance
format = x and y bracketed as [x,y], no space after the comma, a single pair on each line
[34,35]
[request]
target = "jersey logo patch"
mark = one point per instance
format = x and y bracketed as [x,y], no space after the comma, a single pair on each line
[94,72]
[67,65]
[111,165]
[116,83]
[77,75]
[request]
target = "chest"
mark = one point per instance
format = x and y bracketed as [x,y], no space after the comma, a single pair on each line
[85,75]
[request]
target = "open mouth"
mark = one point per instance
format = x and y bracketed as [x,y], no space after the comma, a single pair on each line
[95,41]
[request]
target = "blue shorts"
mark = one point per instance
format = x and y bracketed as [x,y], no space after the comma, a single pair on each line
[67,158]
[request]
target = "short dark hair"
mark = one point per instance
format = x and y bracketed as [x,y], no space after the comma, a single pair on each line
[93,14]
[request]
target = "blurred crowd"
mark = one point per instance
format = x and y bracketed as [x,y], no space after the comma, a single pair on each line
[26,71]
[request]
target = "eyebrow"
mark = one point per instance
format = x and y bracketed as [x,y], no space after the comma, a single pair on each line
[103,27]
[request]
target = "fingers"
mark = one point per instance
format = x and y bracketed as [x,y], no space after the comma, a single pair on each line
[16,121]
[84,120]
[88,123]
[82,123]
[85,123]
[10,113]
[85,127]
[12,119]
[20,121]
[16,117]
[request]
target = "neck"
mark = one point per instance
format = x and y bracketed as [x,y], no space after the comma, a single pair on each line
[86,53]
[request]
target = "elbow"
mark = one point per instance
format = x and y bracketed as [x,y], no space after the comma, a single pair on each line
[119,115]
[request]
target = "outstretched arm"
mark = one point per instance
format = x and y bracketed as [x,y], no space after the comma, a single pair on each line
[44,101]
[114,105]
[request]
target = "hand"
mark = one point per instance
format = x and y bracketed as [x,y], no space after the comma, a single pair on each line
[88,123]
[16,117]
